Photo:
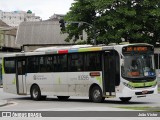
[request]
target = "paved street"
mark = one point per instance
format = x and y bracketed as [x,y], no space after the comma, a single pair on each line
[16,102]
[24,103]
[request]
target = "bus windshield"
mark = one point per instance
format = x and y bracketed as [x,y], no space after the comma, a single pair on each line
[138,66]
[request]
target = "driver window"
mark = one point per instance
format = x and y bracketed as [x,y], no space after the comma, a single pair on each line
[134,65]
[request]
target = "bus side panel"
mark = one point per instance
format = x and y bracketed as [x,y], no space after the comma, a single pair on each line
[60,84]
[9,83]
[64,84]
[43,80]
[49,83]
[80,82]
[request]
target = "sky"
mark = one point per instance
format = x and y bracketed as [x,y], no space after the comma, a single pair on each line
[42,8]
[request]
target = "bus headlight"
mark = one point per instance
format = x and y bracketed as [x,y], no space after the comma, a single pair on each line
[127,85]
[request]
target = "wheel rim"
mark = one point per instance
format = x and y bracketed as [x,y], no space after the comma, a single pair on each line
[96,94]
[35,93]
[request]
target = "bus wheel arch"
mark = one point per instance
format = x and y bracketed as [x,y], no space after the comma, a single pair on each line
[35,92]
[95,93]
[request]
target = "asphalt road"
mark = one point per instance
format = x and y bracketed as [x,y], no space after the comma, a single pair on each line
[24,103]
[17,102]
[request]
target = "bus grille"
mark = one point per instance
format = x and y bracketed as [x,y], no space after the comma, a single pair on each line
[141,93]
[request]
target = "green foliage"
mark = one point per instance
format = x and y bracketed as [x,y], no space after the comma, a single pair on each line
[81,10]
[29,12]
[114,20]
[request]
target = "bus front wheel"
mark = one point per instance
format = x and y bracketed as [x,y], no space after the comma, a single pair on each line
[96,94]
[35,93]
[125,99]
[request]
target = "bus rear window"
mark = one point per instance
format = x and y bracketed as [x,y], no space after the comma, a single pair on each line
[9,66]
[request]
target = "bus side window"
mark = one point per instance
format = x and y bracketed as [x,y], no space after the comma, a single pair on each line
[49,63]
[93,61]
[32,65]
[63,63]
[42,66]
[76,62]
[9,65]
[60,63]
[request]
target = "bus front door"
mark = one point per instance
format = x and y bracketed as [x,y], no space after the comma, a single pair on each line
[109,73]
[21,81]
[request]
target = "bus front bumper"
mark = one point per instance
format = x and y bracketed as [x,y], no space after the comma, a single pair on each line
[137,92]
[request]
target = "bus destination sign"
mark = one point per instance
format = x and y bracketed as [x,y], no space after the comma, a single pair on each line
[137,49]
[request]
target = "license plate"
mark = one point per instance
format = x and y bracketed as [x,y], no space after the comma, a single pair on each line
[144,92]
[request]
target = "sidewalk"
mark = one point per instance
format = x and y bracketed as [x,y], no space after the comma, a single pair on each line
[3,102]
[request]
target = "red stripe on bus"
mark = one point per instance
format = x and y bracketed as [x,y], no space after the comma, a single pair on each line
[62,51]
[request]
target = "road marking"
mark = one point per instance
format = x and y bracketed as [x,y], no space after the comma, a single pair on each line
[10,104]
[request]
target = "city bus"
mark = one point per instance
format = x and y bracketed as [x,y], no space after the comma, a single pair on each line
[96,72]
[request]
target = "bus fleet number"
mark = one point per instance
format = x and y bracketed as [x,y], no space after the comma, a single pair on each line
[83,77]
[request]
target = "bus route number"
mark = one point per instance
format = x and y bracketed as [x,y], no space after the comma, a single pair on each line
[83,77]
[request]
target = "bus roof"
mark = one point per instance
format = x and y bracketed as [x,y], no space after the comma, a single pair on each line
[21,54]
[72,49]
[69,49]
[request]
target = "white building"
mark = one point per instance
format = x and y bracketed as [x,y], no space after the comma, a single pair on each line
[15,18]
[56,17]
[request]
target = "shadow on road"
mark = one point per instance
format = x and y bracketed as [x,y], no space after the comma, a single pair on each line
[106,101]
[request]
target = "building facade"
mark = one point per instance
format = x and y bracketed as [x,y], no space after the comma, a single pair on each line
[7,42]
[14,18]
[56,17]
[32,35]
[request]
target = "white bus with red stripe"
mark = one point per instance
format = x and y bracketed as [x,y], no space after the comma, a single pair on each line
[98,72]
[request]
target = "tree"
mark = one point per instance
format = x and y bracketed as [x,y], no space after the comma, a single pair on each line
[117,20]
[81,10]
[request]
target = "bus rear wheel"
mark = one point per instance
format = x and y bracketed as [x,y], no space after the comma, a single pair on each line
[35,92]
[125,99]
[63,97]
[96,95]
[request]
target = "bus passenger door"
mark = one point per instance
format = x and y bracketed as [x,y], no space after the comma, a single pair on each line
[20,78]
[109,73]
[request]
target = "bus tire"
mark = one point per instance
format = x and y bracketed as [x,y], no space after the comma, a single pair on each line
[96,95]
[35,92]
[43,97]
[63,97]
[125,99]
